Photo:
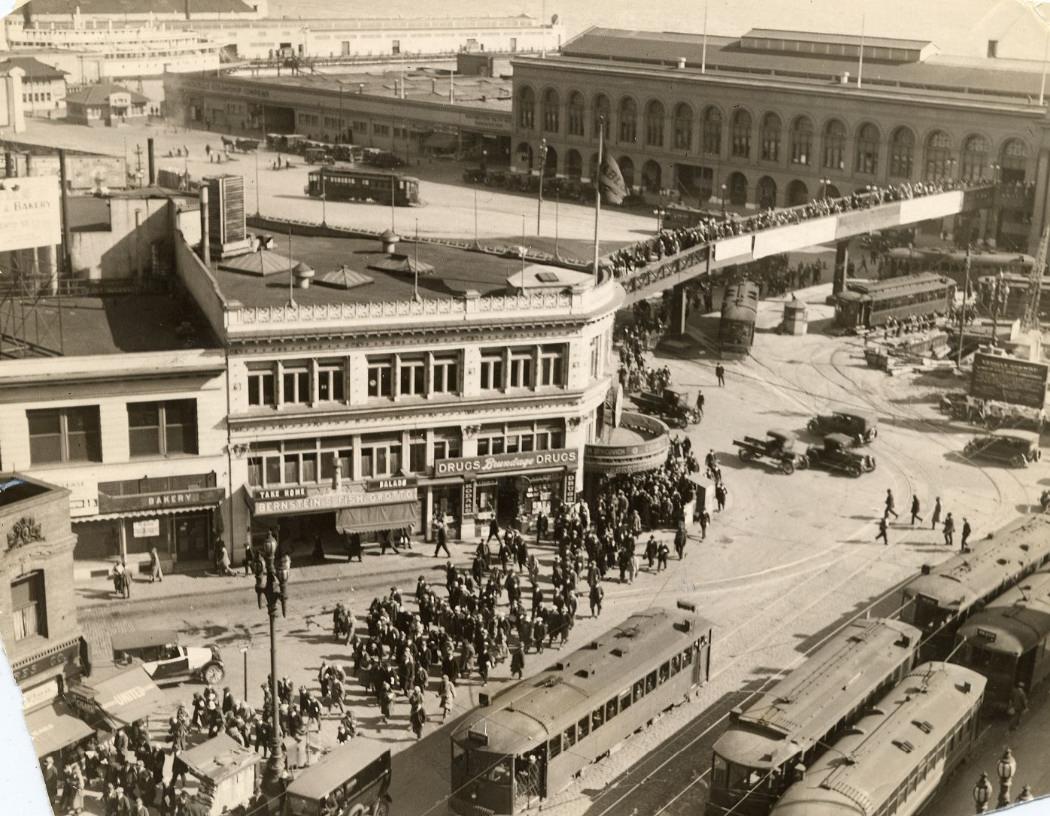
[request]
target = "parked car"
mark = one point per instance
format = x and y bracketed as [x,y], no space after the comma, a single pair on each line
[835,454]
[1017,448]
[778,448]
[861,427]
[164,660]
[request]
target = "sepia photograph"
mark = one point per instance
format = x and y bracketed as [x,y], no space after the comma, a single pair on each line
[524,408]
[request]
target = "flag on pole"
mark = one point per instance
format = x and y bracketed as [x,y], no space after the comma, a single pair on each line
[610,181]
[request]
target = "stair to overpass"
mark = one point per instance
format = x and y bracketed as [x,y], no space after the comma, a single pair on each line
[798,228]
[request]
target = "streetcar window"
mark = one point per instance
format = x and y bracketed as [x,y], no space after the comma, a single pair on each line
[650,682]
[665,672]
[597,718]
[610,709]
[676,664]
[570,737]
[625,701]
[639,690]
[499,773]
[583,727]
[687,656]
[554,746]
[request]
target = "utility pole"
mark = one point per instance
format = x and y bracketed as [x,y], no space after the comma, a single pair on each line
[962,313]
[1035,285]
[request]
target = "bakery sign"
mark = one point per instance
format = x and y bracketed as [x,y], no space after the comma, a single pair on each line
[160,501]
[532,460]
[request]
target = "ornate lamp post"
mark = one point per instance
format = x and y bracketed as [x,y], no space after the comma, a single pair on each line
[543,172]
[659,212]
[824,182]
[723,202]
[982,793]
[1006,767]
[271,569]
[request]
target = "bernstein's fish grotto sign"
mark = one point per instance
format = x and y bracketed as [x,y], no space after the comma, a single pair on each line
[1007,379]
[29,213]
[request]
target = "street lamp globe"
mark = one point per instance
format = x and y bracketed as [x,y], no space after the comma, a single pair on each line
[1006,767]
[982,793]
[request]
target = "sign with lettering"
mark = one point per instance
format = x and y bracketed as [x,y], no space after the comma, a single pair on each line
[156,501]
[147,528]
[69,653]
[38,695]
[1007,379]
[29,213]
[532,460]
[390,483]
[319,499]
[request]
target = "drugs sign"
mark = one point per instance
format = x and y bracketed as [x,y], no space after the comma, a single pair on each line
[1007,379]
[29,213]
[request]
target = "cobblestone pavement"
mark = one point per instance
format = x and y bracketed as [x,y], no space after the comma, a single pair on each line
[789,556]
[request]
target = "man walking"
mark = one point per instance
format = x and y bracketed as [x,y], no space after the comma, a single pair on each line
[915,510]
[441,538]
[700,402]
[949,531]
[889,505]
[966,530]
[882,531]
[720,375]
[155,572]
[936,518]
[596,596]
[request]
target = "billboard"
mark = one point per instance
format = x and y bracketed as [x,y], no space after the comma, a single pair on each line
[29,213]
[1007,379]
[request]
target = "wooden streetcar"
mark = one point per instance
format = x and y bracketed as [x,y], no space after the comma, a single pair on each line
[528,742]
[353,184]
[736,329]
[868,304]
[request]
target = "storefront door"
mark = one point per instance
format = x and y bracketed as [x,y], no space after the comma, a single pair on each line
[192,537]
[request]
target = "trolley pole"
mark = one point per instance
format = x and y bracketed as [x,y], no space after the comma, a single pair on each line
[962,313]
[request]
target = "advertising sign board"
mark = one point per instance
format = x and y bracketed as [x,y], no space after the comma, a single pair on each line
[29,213]
[1006,379]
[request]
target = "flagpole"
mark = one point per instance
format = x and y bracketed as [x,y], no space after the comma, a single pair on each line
[598,190]
[703,53]
[860,65]
[415,275]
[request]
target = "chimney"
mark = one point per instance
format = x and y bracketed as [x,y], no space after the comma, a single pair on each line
[303,274]
[205,229]
[681,63]
[389,239]
[151,159]
[845,78]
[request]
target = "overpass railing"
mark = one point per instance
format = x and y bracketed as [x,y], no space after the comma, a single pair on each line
[776,231]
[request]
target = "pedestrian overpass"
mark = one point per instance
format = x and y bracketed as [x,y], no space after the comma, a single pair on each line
[837,228]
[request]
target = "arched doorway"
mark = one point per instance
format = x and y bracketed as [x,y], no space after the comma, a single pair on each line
[550,164]
[573,164]
[737,189]
[524,153]
[766,193]
[651,176]
[627,171]
[797,193]
[831,191]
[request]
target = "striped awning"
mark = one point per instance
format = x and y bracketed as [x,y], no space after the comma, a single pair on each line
[158,511]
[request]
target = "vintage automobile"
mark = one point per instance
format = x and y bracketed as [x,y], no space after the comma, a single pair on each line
[669,405]
[835,454]
[164,660]
[861,427]
[779,448]
[1017,448]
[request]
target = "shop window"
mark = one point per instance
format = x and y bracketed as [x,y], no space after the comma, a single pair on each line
[491,370]
[552,365]
[380,378]
[412,378]
[445,375]
[28,607]
[417,452]
[162,428]
[331,384]
[261,388]
[64,435]
[520,369]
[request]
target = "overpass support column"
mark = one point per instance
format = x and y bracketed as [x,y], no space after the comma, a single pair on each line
[838,281]
[679,310]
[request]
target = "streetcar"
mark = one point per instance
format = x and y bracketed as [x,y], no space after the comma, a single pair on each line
[893,759]
[941,598]
[736,330]
[867,304]
[1007,641]
[793,722]
[352,184]
[353,779]
[527,742]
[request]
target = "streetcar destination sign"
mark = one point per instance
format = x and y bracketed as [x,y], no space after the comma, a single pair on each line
[1007,379]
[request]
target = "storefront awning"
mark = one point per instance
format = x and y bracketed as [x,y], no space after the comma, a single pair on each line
[374,517]
[126,697]
[54,727]
[159,511]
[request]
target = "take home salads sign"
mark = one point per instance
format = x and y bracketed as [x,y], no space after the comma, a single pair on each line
[500,462]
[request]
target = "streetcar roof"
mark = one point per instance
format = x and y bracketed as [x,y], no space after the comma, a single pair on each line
[991,564]
[864,768]
[1016,621]
[920,281]
[337,767]
[801,709]
[531,711]
[347,170]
